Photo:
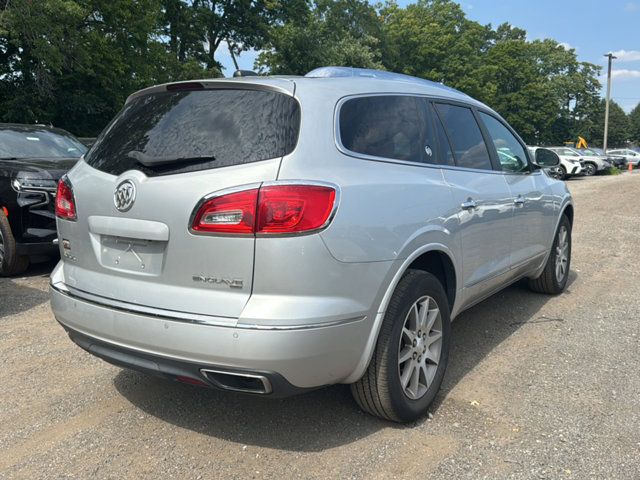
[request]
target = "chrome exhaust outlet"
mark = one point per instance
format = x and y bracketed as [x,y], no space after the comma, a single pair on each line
[238,381]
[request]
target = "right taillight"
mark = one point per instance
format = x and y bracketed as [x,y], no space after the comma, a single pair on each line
[65,201]
[267,210]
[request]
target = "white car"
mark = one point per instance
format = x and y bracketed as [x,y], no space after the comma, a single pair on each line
[632,156]
[570,162]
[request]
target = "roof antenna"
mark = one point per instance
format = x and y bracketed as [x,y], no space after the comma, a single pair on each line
[238,72]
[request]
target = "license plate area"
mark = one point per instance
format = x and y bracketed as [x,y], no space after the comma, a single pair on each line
[134,255]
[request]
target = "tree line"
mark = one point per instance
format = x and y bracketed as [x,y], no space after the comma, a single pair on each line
[72,63]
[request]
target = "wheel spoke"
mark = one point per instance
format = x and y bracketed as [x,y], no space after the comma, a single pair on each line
[432,356]
[406,374]
[410,335]
[414,318]
[405,355]
[415,379]
[433,337]
[431,319]
[422,317]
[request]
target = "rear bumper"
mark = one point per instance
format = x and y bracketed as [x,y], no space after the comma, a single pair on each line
[293,359]
[267,383]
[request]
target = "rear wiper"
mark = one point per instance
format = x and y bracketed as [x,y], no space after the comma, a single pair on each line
[149,161]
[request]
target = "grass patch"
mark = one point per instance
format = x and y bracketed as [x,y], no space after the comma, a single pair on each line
[612,171]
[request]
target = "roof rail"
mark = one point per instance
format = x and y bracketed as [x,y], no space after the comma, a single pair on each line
[338,72]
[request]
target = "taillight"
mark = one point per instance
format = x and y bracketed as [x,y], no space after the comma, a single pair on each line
[65,202]
[230,213]
[267,210]
[294,208]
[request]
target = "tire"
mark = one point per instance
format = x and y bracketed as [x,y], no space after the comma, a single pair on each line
[549,282]
[589,169]
[563,173]
[380,391]
[10,262]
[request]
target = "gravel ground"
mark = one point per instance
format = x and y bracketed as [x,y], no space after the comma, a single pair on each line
[537,387]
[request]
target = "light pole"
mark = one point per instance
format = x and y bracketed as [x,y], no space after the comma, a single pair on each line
[606,108]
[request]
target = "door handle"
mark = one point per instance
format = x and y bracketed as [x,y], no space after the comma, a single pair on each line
[470,204]
[519,200]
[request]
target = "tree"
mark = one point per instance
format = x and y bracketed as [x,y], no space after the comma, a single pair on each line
[619,126]
[242,24]
[634,125]
[341,33]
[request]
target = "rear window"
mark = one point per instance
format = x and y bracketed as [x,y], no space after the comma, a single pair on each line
[389,126]
[184,131]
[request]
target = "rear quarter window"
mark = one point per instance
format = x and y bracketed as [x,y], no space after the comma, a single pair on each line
[387,126]
[207,128]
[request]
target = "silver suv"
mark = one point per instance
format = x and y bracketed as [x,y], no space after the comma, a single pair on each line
[275,235]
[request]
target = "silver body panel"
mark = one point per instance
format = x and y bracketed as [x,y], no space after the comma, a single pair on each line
[309,306]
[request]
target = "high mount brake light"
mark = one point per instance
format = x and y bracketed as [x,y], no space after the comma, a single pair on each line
[65,201]
[267,210]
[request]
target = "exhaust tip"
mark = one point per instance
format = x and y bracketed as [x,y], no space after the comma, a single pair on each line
[238,382]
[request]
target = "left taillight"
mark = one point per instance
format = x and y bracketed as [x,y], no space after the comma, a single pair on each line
[65,201]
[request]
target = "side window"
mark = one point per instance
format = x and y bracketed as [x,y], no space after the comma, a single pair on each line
[445,156]
[510,152]
[469,149]
[389,126]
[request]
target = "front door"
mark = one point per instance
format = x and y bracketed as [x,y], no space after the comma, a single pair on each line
[482,199]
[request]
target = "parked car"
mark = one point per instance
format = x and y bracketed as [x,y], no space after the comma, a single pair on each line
[591,163]
[631,156]
[618,161]
[276,235]
[32,160]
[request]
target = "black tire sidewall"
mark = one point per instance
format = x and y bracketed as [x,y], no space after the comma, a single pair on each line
[560,286]
[422,283]
[9,245]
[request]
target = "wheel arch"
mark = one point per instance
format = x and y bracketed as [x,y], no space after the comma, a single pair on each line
[436,259]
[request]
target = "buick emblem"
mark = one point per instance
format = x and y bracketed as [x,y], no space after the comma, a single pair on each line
[124,196]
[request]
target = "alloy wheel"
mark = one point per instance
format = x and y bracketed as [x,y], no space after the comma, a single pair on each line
[420,347]
[562,253]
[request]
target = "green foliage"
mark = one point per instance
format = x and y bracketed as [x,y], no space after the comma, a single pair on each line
[619,126]
[341,32]
[74,62]
[634,125]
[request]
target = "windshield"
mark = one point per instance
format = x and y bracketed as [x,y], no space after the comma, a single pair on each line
[589,153]
[34,143]
[184,131]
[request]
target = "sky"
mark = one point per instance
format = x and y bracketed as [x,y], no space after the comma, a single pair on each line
[591,27]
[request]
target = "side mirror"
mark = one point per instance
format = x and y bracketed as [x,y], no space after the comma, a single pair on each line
[546,158]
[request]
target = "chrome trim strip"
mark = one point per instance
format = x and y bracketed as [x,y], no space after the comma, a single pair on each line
[199,319]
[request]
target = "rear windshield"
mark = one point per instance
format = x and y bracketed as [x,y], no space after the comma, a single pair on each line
[184,131]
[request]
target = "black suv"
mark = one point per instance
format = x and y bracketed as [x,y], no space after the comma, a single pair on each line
[32,160]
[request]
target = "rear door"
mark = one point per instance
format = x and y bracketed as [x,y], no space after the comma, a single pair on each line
[482,196]
[137,190]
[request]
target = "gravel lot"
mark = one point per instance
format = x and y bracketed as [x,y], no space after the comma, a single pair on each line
[537,387]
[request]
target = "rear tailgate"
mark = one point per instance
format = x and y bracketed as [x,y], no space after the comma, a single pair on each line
[144,253]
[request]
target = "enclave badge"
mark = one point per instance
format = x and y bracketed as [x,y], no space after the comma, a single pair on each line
[124,196]
[232,282]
